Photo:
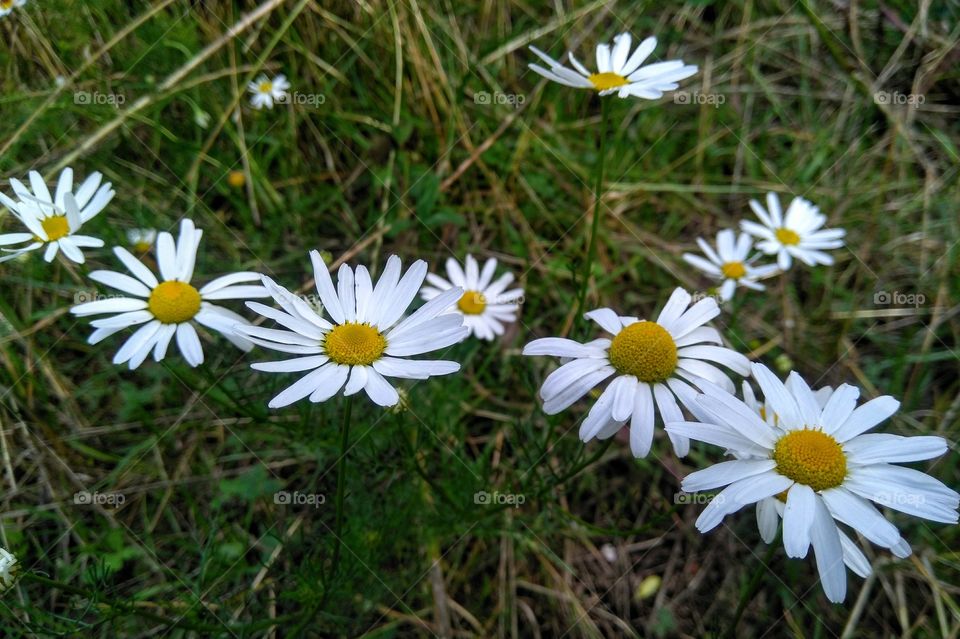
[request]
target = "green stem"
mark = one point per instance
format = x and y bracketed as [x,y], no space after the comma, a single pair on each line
[597,194]
[747,595]
[341,482]
[141,611]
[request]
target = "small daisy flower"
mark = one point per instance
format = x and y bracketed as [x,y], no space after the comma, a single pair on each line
[486,305]
[650,362]
[168,308]
[730,263]
[817,461]
[141,240]
[53,221]
[8,569]
[265,92]
[798,235]
[7,6]
[618,71]
[368,339]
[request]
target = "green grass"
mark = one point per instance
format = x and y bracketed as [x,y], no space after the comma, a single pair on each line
[401,157]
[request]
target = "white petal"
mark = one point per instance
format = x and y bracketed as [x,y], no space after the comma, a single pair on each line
[606,318]
[725,473]
[110,305]
[828,552]
[673,309]
[797,519]
[167,257]
[310,383]
[121,282]
[136,267]
[328,296]
[141,340]
[892,449]
[866,417]
[641,426]
[380,391]
[189,344]
[414,368]
[294,365]
[562,347]
[767,519]
[357,380]
[347,292]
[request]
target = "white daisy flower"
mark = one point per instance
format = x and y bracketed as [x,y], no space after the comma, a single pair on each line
[7,6]
[770,509]
[141,240]
[54,220]
[169,307]
[651,362]
[618,71]
[485,305]
[368,338]
[8,569]
[818,461]
[798,235]
[265,92]
[730,263]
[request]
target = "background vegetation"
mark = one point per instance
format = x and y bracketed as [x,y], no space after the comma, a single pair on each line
[405,155]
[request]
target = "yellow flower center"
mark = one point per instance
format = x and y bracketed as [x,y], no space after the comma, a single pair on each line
[645,350]
[733,270]
[472,303]
[236,179]
[266,87]
[6,4]
[604,81]
[811,457]
[354,344]
[787,237]
[142,247]
[55,227]
[174,302]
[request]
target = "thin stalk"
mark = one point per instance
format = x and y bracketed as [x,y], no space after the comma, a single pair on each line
[341,482]
[597,195]
[747,595]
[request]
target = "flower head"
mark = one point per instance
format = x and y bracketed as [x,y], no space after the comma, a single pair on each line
[7,6]
[809,452]
[53,221]
[651,362]
[8,569]
[368,338]
[730,263]
[486,305]
[618,71]
[798,235]
[265,92]
[168,307]
[141,240]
